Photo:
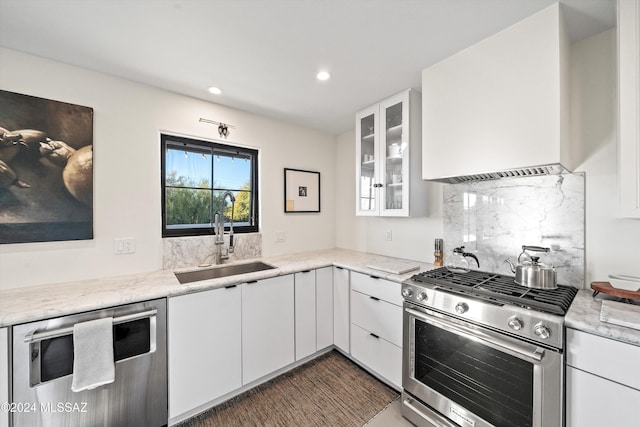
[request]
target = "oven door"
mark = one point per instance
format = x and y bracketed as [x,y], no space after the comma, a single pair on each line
[476,377]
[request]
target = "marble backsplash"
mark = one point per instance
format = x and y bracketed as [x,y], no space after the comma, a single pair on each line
[180,252]
[493,219]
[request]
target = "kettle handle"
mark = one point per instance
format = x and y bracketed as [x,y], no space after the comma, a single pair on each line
[526,248]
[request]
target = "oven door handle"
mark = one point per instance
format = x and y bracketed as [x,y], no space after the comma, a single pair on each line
[529,351]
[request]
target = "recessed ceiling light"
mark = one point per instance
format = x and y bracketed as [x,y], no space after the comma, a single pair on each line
[323,75]
[215,90]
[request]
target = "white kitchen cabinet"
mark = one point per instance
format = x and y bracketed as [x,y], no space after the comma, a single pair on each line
[341,319]
[305,313]
[324,307]
[388,153]
[268,318]
[380,288]
[500,104]
[629,107]
[4,375]
[204,348]
[603,381]
[593,401]
[377,316]
[377,354]
[376,326]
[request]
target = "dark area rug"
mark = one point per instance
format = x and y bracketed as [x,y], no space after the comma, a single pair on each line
[327,391]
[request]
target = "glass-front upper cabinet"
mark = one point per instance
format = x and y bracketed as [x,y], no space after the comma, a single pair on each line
[367,168]
[387,136]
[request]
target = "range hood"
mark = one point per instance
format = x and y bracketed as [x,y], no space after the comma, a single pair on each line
[501,107]
[553,169]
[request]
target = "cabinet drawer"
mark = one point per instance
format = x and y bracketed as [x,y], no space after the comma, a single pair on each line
[594,402]
[379,288]
[377,316]
[378,354]
[607,358]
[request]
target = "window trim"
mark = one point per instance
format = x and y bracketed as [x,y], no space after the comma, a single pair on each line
[209,144]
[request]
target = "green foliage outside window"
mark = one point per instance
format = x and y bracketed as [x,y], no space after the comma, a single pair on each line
[190,202]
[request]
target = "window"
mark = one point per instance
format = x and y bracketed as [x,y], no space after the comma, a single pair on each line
[195,175]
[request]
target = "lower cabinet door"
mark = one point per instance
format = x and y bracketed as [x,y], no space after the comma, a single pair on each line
[324,307]
[377,354]
[267,326]
[341,320]
[204,348]
[305,298]
[593,401]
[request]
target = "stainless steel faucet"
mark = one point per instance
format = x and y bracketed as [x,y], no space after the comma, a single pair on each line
[221,253]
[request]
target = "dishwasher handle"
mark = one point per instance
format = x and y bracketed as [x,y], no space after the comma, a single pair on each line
[34,336]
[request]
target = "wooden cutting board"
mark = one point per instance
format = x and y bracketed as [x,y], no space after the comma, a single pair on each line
[606,288]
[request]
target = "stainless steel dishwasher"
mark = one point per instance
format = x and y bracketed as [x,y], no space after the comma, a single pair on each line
[43,371]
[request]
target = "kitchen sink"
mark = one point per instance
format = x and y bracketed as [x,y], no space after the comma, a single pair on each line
[222,271]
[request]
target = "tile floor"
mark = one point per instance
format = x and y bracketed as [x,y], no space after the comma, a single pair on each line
[390,417]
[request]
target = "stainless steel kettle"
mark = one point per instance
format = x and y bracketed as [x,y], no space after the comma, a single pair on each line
[532,273]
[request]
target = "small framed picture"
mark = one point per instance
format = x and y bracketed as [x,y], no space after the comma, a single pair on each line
[301,191]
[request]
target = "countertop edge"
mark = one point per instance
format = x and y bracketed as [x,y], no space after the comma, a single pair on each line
[584,316]
[23,305]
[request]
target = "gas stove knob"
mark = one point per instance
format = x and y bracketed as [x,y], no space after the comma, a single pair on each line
[542,331]
[515,323]
[462,307]
[407,293]
[422,296]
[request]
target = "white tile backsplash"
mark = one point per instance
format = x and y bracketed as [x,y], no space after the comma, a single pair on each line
[493,219]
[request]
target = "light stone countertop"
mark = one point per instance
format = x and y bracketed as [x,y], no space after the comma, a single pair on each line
[32,303]
[584,315]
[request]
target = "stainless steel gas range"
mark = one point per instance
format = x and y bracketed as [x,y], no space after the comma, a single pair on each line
[480,350]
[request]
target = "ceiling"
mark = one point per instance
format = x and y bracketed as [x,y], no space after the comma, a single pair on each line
[264,54]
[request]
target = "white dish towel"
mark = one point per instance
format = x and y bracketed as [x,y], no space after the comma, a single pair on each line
[93,363]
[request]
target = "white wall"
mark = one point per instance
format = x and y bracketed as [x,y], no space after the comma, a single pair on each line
[612,243]
[412,238]
[128,118]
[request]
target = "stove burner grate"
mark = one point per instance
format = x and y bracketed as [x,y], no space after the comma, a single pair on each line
[500,288]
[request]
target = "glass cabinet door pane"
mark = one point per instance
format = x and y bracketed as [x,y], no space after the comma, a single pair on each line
[394,150]
[366,190]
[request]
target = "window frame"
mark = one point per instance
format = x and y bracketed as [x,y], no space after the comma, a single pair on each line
[166,138]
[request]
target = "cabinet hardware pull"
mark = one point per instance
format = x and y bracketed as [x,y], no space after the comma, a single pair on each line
[374,298]
[374,277]
[305,271]
[251,282]
[230,286]
[339,268]
[374,335]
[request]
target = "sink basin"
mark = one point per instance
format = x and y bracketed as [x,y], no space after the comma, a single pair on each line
[222,271]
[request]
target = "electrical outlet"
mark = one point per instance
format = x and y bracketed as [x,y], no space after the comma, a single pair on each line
[388,236]
[126,245]
[280,236]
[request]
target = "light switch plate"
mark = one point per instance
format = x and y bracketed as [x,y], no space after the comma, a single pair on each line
[125,245]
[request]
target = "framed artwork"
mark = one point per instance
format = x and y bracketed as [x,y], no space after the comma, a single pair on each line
[46,170]
[301,191]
